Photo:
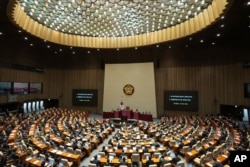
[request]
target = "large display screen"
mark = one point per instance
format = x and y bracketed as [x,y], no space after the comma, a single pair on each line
[35,87]
[181,100]
[5,88]
[84,97]
[247,90]
[20,88]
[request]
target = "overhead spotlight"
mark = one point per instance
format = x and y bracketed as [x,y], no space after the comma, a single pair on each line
[218,35]
[1,33]
[201,41]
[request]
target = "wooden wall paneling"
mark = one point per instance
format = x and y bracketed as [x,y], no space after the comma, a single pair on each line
[83,79]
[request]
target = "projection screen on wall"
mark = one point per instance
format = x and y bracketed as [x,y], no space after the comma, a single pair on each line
[138,75]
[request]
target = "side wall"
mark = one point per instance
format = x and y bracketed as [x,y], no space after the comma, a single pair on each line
[216,73]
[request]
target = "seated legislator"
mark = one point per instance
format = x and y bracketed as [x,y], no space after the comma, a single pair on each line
[96,161]
[123,161]
[149,161]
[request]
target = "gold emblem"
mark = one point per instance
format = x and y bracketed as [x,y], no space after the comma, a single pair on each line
[128,89]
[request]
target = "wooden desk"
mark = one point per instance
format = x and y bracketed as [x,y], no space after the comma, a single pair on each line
[191,155]
[13,134]
[21,155]
[159,149]
[104,160]
[34,161]
[221,158]
[32,130]
[95,142]
[186,142]
[56,139]
[75,158]
[155,160]
[39,144]
[166,141]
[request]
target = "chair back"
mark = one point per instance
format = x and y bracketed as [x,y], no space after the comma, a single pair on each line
[135,157]
[153,165]
[167,165]
[181,164]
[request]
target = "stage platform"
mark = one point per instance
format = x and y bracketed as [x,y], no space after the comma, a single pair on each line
[129,114]
[118,122]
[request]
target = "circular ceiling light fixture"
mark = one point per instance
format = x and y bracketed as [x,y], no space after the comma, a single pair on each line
[114,23]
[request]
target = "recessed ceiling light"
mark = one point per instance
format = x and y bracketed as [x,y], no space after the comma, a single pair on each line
[26,38]
[31,44]
[218,34]
[1,33]
[222,25]
[201,41]
[113,18]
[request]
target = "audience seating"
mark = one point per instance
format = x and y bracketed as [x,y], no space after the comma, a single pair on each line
[170,132]
[181,164]
[199,161]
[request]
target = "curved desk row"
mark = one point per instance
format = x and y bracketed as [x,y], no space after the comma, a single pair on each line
[129,114]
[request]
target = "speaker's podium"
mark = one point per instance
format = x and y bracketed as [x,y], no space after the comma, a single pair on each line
[124,116]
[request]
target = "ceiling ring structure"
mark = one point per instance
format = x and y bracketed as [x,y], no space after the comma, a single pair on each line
[114,23]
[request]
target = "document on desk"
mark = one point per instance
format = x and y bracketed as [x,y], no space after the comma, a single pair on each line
[27,159]
[59,152]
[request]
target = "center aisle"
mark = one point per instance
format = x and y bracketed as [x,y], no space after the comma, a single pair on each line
[86,160]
